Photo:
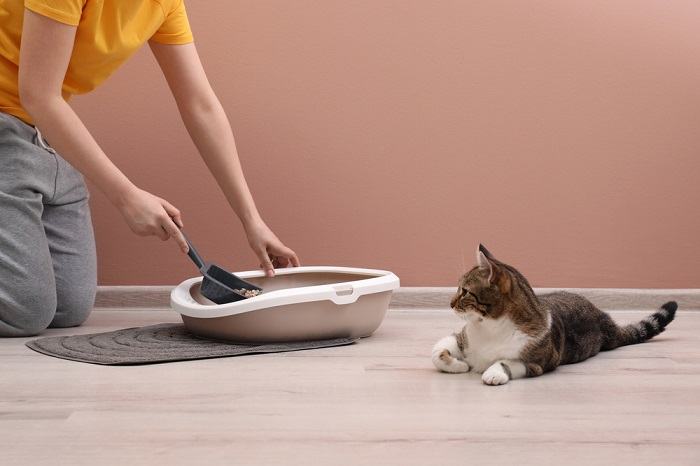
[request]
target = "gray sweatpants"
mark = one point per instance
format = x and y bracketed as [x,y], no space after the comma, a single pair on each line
[47,247]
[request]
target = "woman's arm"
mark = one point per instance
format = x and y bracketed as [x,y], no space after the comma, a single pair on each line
[44,55]
[210,131]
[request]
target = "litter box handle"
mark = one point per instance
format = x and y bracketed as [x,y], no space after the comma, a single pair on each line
[192,252]
[344,294]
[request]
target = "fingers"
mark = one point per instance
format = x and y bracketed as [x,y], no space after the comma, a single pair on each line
[266,263]
[181,241]
[286,256]
[172,225]
[173,212]
[172,231]
[280,261]
[282,257]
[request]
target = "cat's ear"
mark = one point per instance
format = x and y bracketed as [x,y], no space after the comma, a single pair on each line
[497,275]
[484,263]
[486,252]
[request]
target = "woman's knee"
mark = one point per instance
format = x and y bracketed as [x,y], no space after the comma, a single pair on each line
[26,312]
[74,305]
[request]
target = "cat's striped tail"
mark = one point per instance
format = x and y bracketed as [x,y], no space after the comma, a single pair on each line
[649,327]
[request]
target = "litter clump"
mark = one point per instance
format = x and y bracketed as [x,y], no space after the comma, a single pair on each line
[248,293]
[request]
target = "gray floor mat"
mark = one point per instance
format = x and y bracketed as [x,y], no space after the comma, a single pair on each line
[156,344]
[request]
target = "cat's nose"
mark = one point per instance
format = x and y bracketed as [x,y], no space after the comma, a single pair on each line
[453,302]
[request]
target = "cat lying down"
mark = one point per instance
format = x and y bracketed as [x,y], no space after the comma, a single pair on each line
[511,333]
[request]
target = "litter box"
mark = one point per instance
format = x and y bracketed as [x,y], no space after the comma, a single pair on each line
[297,304]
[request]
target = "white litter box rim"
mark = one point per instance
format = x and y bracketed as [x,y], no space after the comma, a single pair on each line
[181,300]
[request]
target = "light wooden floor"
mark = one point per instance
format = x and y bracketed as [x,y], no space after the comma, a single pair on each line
[376,402]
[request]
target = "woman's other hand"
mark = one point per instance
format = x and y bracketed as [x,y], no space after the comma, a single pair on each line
[271,252]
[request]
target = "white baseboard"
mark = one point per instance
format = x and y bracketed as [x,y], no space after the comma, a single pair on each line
[158,297]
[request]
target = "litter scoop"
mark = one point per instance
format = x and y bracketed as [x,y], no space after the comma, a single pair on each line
[219,285]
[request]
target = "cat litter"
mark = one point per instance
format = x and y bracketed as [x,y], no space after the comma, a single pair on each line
[248,293]
[299,304]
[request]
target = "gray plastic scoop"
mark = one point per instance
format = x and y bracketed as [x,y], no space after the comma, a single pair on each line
[219,285]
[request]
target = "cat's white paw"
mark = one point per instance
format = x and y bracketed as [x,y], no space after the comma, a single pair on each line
[444,359]
[445,362]
[495,375]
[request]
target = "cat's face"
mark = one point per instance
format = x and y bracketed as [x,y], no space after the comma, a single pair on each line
[486,291]
[477,298]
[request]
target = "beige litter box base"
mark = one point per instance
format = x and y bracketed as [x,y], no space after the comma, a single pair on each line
[300,304]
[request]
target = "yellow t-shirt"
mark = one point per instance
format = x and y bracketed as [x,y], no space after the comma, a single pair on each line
[108,32]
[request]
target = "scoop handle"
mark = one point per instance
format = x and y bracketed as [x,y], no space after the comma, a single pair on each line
[192,252]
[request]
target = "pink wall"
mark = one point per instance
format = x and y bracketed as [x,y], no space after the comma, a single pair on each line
[398,134]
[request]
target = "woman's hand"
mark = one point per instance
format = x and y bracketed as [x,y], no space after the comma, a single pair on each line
[147,215]
[270,250]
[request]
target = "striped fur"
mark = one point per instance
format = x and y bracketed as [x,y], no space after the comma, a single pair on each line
[511,332]
[647,328]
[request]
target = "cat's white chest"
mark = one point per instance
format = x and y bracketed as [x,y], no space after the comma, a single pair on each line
[490,340]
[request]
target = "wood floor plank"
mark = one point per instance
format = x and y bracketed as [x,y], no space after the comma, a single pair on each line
[376,402]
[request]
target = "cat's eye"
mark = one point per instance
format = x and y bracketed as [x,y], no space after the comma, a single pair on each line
[466,292]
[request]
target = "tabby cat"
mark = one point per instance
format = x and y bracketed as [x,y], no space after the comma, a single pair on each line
[511,333]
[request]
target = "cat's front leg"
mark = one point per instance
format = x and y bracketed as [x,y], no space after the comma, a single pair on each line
[448,355]
[500,372]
